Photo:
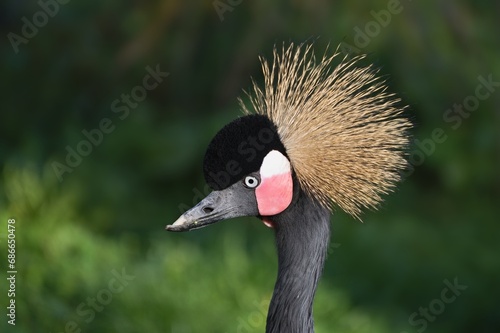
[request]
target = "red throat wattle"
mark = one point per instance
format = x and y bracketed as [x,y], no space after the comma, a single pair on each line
[267,222]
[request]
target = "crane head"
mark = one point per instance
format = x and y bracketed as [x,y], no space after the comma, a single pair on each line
[247,167]
[336,133]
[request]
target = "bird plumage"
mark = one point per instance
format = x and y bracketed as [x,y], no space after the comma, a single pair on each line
[344,133]
[315,137]
[302,235]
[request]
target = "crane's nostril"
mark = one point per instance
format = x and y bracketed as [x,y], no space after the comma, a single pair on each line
[208,209]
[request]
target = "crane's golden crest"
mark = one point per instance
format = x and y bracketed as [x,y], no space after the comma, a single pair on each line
[344,134]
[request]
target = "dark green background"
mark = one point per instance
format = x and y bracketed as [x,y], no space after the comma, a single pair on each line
[110,211]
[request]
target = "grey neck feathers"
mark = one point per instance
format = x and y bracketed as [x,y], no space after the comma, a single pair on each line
[302,238]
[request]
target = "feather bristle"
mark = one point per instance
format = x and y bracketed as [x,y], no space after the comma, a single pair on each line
[344,133]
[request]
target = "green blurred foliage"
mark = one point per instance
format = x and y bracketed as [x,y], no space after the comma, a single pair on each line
[110,211]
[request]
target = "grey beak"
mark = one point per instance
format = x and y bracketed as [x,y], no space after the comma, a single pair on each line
[221,205]
[201,215]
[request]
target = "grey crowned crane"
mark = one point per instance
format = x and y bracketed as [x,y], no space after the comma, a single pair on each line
[315,137]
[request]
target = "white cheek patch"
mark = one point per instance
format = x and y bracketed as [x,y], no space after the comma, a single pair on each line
[275,163]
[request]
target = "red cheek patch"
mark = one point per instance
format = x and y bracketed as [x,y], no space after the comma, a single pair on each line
[274,194]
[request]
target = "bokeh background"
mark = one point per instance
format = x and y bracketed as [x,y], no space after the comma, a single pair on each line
[104,216]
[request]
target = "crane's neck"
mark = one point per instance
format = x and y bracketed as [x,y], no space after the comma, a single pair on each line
[302,238]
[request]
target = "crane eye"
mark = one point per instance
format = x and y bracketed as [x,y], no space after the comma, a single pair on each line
[251,181]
